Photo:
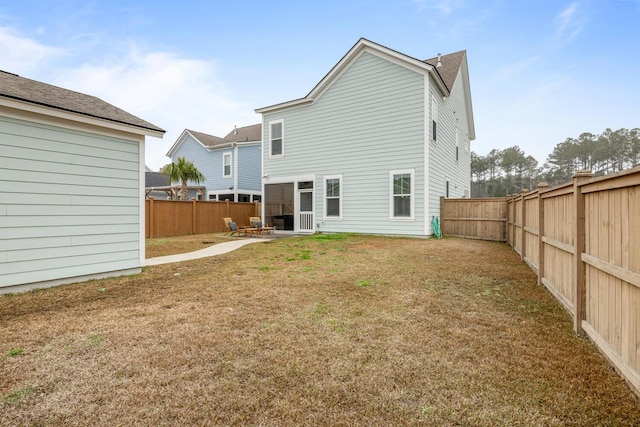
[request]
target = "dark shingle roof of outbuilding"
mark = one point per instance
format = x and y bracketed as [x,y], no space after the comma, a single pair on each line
[35,92]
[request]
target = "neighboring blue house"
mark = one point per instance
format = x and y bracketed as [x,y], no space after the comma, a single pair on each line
[372,147]
[231,165]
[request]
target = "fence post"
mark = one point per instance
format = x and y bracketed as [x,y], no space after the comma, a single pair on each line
[523,234]
[193,215]
[578,248]
[541,187]
[150,217]
[228,208]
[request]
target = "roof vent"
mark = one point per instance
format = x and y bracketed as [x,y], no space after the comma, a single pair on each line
[235,130]
[439,64]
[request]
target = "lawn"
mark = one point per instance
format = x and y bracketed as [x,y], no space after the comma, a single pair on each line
[319,330]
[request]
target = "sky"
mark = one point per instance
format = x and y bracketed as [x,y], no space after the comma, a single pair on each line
[540,71]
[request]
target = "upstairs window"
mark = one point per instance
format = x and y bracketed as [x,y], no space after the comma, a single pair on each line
[434,118]
[276,138]
[226,165]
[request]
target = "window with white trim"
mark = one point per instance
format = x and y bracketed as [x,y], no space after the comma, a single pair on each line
[276,138]
[457,145]
[333,196]
[434,118]
[402,197]
[226,165]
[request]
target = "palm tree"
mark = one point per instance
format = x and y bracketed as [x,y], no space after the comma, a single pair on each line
[182,171]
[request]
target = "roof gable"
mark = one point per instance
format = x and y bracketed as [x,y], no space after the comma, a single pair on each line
[364,45]
[252,133]
[34,92]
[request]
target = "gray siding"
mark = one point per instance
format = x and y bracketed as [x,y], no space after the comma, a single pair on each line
[369,121]
[442,159]
[69,203]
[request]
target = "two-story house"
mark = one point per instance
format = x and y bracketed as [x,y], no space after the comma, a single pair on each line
[372,147]
[231,165]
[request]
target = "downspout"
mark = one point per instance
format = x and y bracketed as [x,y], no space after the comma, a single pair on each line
[235,172]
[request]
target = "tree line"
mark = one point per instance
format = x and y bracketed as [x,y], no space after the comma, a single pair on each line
[511,170]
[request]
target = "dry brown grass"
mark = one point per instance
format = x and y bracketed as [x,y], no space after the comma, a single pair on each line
[180,244]
[322,330]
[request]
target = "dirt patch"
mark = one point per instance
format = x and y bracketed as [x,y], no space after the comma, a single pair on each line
[346,330]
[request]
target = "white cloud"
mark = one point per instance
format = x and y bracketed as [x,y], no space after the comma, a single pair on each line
[24,56]
[569,23]
[171,92]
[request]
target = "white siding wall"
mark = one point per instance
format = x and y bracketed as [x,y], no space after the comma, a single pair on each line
[69,203]
[370,121]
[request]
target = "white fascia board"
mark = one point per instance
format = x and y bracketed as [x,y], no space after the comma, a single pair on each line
[382,52]
[284,105]
[179,142]
[77,117]
[354,53]
[464,69]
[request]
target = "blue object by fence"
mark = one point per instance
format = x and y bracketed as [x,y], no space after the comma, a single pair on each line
[435,223]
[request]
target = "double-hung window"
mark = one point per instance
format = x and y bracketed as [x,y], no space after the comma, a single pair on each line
[434,118]
[402,193]
[333,196]
[276,138]
[226,165]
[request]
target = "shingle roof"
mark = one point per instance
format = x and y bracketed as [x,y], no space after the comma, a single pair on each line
[156,179]
[450,66]
[35,92]
[206,139]
[245,134]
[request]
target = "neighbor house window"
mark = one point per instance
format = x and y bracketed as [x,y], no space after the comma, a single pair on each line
[226,165]
[402,198]
[276,138]
[333,196]
[434,118]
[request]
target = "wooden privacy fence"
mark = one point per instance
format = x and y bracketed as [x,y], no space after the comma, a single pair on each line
[164,218]
[483,219]
[583,241]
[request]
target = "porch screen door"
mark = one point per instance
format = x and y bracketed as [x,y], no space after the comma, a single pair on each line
[305,208]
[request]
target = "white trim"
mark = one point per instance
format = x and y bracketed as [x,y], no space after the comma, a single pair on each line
[142,232]
[363,45]
[76,117]
[324,198]
[434,118]
[271,155]
[427,146]
[223,146]
[412,194]
[229,155]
